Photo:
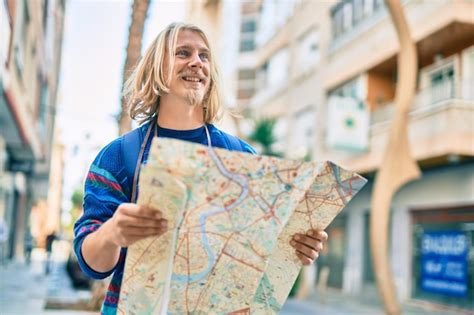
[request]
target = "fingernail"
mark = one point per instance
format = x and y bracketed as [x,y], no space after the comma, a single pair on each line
[297,237]
[293,243]
[164,223]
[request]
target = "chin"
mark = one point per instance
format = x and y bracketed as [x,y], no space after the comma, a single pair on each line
[194,98]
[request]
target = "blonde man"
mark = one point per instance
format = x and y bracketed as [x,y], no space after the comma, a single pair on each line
[174,93]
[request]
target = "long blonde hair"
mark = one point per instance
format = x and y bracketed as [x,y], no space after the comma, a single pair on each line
[149,79]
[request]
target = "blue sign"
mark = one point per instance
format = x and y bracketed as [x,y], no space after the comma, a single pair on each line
[444,263]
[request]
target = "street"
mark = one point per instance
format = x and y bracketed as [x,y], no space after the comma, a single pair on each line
[26,289]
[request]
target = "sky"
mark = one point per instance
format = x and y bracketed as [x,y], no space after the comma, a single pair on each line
[94,43]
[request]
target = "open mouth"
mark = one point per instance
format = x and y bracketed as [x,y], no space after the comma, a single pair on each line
[192,79]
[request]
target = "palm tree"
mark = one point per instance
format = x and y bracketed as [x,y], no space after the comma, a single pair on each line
[134,46]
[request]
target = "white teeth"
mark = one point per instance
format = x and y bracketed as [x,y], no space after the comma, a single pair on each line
[192,79]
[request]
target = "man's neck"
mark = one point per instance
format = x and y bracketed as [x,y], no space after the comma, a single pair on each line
[175,114]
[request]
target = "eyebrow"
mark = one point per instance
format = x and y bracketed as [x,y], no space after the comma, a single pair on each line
[201,48]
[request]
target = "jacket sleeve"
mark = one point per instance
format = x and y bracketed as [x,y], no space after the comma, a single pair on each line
[106,187]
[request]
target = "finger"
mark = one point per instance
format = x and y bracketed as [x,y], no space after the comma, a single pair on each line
[150,212]
[318,235]
[308,241]
[144,222]
[304,260]
[135,210]
[305,250]
[143,232]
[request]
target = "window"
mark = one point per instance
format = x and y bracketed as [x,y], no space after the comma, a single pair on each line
[281,132]
[246,74]
[262,76]
[358,10]
[302,135]
[368,7]
[45,13]
[50,20]
[43,109]
[277,73]
[245,93]
[248,28]
[246,84]
[21,41]
[337,23]
[274,14]
[352,88]
[443,75]
[5,33]
[442,83]
[378,4]
[247,44]
[308,51]
[467,65]
[346,14]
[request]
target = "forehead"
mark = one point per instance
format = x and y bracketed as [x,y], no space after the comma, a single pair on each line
[191,39]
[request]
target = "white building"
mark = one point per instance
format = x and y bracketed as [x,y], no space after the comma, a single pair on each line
[30,57]
[327,71]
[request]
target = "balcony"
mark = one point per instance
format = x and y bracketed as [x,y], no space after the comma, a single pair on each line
[440,127]
[435,96]
[437,27]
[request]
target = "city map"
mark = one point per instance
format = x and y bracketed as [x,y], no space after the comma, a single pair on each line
[231,216]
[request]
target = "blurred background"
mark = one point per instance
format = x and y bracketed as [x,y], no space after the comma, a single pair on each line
[311,79]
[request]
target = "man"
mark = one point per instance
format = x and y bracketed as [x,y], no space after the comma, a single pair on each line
[50,238]
[174,89]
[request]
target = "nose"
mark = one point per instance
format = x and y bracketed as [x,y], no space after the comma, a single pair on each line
[195,61]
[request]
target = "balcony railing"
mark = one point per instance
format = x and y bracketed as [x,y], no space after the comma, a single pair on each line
[428,98]
[352,18]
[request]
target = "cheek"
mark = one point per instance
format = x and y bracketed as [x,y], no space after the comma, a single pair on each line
[208,87]
[206,70]
[176,77]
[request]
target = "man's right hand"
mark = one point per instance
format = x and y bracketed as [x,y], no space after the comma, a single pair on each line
[131,223]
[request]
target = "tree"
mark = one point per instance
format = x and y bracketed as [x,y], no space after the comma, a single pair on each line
[75,211]
[264,135]
[134,46]
[77,198]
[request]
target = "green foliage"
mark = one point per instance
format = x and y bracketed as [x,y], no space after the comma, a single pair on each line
[77,198]
[264,134]
[75,211]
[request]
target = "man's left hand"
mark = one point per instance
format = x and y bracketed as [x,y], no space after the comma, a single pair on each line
[309,245]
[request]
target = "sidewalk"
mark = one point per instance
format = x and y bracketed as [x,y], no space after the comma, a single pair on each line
[336,303]
[25,289]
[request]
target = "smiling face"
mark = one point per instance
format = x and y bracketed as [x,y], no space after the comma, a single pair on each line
[191,70]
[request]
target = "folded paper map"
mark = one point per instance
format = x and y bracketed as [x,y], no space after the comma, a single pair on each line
[231,216]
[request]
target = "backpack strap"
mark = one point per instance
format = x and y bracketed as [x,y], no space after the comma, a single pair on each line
[130,149]
[233,142]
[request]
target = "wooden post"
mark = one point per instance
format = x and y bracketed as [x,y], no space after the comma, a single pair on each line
[398,167]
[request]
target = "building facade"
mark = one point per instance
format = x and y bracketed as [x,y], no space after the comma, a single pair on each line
[30,57]
[327,70]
